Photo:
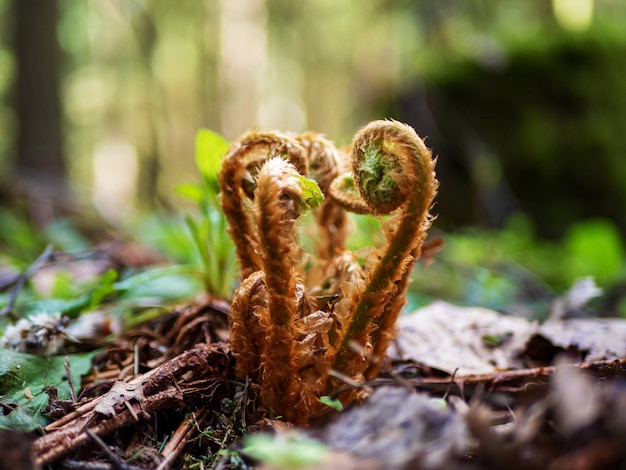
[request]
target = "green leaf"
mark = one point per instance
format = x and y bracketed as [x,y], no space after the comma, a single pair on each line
[23,378]
[63,286]
[104,288]
[71,307]
[171,287]
[595,249]
[311,192]
[166,283]
[333,403]
[210,148]
[64,236]
[138,279]
[283,451]
[190,191]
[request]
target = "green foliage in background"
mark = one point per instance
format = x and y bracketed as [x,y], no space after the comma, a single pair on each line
[515,271]
[216,249]
[550,112]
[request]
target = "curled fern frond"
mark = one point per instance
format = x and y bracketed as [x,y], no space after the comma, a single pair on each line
[297,318]
[325,164]
[394,173]
[237,182]
[281,194]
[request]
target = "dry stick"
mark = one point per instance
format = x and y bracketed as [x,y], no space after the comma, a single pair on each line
[70,381]
[89,406]
[116,462]
[8,308]
[63,443]
[511,378]
[160,391]
[179,439]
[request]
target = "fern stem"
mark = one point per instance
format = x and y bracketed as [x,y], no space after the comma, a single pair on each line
[324,166]
[237,179]
[393,170]
[279,198]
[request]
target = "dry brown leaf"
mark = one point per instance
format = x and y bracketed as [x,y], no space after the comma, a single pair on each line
[473,340]
[448,338]
[120,392]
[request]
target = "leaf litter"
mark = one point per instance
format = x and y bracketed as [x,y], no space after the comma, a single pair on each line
[420,412]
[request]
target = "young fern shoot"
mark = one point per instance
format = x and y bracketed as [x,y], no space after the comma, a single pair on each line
[239,169]
[394,173]
[281,195]
[294,322]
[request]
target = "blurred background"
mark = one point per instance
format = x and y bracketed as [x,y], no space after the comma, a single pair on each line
[523,102]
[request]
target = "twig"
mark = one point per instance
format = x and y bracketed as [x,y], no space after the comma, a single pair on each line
[82,465]
[70,381]
[160,389]
[179,439]
[445,395]
[7,310]
[518,380]
[116,461]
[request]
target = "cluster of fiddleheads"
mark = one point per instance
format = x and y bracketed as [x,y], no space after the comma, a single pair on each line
[297,317]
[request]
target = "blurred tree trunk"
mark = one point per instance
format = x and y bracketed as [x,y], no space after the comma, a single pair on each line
[40,141]
[150,157]
[243,57]
[38,108]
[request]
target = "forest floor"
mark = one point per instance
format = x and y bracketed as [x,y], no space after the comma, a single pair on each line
[465,388]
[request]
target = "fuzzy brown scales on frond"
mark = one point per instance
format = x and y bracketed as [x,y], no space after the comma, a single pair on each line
[394,173]
[293,322]
[326,162]
[237,176]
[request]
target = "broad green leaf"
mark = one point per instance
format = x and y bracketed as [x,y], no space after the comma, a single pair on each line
[210,149]
[284,451]
[73,306]
[170,287]
[69,307]
[64,236]
[23,378]
[152,274]
[63,286]
[333,403]
[595,249]
[104,288]
[190,191]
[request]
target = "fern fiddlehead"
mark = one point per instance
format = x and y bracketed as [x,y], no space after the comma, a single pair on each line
[285,337]
[237,182]
[281,194]
[394,173]
[324,166]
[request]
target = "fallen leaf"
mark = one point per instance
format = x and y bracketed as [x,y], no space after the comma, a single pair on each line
[451,338]
[474,340]
[120,392]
